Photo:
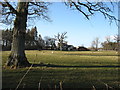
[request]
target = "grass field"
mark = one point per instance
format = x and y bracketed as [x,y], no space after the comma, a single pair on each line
[65,69]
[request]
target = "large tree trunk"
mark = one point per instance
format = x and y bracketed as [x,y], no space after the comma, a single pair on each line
[17,56]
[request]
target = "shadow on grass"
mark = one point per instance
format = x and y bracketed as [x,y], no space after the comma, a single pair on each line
[67,66]
[90,55]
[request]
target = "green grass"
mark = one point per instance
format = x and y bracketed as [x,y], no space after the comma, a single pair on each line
[71,77]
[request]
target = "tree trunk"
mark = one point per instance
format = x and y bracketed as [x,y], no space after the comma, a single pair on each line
[6,43]
[3,43]
[17,56]
[61,45]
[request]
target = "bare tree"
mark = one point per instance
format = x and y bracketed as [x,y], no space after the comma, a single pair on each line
[61,39]
[21,12]
[117,38]
[50,42]
[108,39]
[95,43]
[41,42]
[110,44]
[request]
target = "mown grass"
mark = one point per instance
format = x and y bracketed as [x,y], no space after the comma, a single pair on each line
[71,77]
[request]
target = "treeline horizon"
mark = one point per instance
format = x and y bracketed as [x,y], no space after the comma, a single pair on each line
[33,41]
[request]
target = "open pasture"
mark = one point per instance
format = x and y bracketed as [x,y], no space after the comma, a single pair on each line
[65,69]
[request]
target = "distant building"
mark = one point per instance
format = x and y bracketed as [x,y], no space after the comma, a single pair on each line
[81,48]
[66,47]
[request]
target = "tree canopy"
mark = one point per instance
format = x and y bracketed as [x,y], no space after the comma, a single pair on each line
[35,10]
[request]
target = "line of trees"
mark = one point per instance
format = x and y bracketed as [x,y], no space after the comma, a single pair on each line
[108,44]
[33,41]
[7,38]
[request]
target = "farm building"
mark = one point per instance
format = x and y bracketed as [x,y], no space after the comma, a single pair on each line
[81,48]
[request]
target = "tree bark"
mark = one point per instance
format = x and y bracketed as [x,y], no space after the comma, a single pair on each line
[17,56]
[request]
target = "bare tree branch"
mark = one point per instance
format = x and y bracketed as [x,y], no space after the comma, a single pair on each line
[90,8]
[10,7]
[38,10]
[77,7]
